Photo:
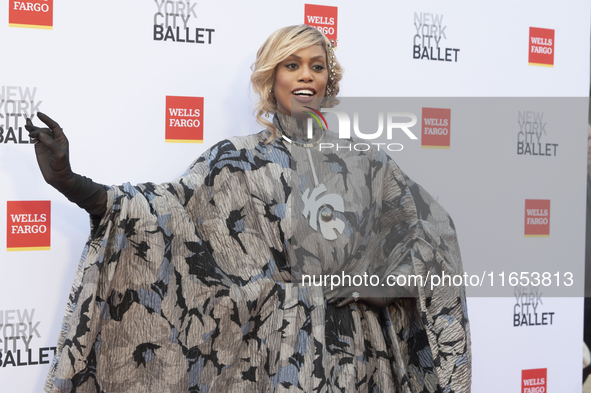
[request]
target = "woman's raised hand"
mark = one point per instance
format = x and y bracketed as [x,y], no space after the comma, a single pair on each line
[52,151]
[53,157]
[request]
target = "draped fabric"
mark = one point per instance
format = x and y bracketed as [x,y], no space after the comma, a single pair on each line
[196,285]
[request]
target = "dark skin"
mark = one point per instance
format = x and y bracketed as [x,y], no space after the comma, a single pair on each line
[52,152]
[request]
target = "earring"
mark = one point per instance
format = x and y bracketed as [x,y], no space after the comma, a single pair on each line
[331,69]
[271,91]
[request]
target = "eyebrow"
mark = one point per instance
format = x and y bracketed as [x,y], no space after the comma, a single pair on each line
[313,58]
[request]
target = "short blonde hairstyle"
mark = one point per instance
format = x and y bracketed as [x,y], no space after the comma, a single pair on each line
[278,47]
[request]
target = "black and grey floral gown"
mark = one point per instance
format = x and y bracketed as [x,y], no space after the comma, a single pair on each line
[195,285]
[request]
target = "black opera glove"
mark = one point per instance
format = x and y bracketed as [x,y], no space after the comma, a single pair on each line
[53,157]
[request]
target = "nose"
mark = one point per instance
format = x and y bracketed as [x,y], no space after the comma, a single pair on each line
[305,75]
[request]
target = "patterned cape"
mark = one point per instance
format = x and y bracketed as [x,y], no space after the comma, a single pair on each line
[195,285]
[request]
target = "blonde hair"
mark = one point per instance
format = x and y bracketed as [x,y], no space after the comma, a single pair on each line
[278,47]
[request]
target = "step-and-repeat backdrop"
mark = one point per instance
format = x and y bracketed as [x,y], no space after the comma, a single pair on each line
[142,88]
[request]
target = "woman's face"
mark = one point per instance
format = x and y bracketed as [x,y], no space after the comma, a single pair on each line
[301,77]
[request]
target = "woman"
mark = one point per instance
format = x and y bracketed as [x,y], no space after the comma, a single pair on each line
[196,285]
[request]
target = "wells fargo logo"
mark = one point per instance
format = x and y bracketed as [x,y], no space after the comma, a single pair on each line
[436,129]
[533,381]
[541,47]
[184,119]
[28,225]
[322,17]
[35,14]
[537,218]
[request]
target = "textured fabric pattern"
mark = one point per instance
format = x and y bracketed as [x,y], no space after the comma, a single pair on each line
[188,286]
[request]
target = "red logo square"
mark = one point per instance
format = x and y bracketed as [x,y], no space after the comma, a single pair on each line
[533,381]
[537,217]
[541,47]
[28,225]
[436,129]
[184,119]
[36,14]
[322,17]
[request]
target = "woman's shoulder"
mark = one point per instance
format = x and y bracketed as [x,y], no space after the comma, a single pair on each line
[237,152]
[233,145]
[249,142]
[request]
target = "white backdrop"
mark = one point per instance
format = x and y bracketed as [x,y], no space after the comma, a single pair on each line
[100,73]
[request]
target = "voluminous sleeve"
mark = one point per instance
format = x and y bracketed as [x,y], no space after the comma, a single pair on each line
[147,295]
[420,242]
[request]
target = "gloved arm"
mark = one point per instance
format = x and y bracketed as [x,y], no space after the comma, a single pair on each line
[52,151]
